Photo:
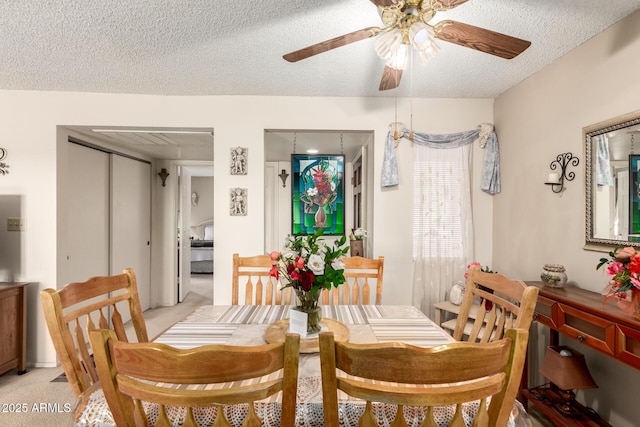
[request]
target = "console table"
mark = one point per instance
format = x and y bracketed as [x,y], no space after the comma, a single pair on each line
[13,327]
[582,315]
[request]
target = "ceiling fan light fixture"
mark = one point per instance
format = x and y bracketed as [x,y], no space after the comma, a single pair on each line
[400,58]
[388,43]
[423,40]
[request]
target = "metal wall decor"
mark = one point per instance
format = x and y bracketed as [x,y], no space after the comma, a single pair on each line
[239,161]
[238,201]
[556,179]
[3,165]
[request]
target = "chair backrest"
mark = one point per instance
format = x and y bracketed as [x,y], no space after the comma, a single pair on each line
[251,275]
[402,374]
[504,304]
[80,307]
[132,373]
[361,275]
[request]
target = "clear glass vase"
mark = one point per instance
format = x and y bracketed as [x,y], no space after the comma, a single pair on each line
[308,303]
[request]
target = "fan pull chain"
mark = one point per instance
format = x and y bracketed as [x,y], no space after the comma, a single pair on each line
[411,99]
[395,120]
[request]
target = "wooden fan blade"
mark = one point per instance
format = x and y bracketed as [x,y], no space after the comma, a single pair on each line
[390,78]
[480,39]
[326,45]
[385,3]
[442,5]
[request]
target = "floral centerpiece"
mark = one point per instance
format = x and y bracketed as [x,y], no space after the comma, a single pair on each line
[623,269]
[309,265]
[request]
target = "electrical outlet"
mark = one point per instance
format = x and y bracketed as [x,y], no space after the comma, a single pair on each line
[16,224]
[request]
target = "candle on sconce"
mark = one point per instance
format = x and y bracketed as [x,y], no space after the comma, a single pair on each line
[553,178]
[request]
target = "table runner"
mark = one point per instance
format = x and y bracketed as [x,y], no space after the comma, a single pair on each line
[245,325]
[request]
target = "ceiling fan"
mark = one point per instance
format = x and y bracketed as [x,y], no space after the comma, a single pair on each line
[406,24]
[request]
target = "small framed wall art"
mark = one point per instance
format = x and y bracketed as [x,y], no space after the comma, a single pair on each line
[238,201]
[317,193]
[239,161]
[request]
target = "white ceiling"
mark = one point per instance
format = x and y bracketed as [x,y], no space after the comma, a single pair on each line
[234,47]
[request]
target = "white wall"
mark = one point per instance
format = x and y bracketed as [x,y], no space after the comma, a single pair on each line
[535,121]
[29,134]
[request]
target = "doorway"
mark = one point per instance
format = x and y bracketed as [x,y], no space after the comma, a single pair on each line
[195,217]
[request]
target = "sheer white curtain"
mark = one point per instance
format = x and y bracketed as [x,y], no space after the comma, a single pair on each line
[442,223]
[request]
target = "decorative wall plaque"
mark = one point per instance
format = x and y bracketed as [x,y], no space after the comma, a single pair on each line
[239,161]
[238,199]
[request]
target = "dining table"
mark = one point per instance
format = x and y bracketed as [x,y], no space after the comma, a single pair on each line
[250,325]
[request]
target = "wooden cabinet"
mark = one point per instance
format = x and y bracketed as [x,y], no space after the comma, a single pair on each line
[582,315]
[13,327]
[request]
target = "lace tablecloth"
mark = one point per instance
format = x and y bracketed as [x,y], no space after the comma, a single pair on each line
[245,325]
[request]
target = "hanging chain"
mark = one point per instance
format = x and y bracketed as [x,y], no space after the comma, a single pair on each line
[631,143]
[341,144]
[295,136]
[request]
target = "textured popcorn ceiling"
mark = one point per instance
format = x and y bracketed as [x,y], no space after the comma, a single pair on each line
[234,47]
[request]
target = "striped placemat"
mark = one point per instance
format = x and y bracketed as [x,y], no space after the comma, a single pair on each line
[421,331]
[267,314]
[193,334]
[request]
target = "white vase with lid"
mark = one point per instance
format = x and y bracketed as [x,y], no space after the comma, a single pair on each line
[554,275]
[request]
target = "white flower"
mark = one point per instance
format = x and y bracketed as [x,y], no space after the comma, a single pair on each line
[316,264]
[312,191]
[360,233]
[337,264]
[333,186]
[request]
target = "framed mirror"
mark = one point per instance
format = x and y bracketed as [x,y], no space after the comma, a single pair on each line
[612,153]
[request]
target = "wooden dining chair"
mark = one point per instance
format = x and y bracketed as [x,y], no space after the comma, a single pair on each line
[401,374]
[503,303]
[361,275]
[80,307]
[133,373]
[251,277]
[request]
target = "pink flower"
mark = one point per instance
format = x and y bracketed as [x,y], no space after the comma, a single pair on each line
[615,268]
[625,253]
[274,255]
[300,262]
[635,282]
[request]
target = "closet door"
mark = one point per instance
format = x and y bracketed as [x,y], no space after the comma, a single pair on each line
[131,221]
[87,224]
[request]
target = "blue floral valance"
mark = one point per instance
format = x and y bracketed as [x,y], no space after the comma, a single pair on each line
[484,134]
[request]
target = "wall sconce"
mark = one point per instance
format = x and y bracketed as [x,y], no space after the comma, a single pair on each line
[283,176]
[163,174]
[555,179]
[3,165]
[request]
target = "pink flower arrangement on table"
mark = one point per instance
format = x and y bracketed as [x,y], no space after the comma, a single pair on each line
[623,269]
